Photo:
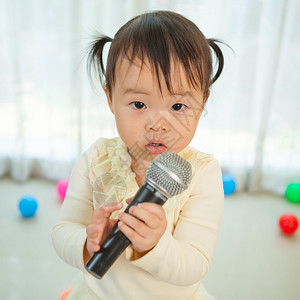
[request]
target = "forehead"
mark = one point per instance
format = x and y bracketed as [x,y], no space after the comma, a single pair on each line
[135,73]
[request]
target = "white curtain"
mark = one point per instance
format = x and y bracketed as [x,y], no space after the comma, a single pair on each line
[49,112]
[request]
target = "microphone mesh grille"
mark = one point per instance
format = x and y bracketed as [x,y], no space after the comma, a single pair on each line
[174,164]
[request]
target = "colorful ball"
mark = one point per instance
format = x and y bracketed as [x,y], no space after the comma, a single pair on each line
[228,184]
[65,293]
[288,223]
[292,192]
[28,206]
[61,188]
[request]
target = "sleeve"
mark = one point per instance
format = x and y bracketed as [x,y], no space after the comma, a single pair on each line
[69,233]
[184,257]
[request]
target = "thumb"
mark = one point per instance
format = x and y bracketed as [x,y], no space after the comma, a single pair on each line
[128,200]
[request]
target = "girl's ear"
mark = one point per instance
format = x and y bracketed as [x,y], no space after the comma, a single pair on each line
[109,100]
[207,95]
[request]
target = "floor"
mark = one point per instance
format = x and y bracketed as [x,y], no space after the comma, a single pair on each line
[29,267]
[253,260]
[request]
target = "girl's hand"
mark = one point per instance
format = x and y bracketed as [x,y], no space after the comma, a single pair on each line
[144,226]
[100,227]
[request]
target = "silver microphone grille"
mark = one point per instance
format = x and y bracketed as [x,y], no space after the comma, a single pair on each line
[170,173]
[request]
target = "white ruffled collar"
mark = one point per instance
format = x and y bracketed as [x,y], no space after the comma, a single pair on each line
[112,178]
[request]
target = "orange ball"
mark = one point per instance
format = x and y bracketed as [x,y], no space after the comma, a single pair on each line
[65,293]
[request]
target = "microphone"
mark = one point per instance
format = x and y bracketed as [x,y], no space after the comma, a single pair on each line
[168,175]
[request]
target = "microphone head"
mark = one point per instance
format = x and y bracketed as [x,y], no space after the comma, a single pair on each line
[170,173]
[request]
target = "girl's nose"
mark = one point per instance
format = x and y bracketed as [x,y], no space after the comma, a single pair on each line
[157,123]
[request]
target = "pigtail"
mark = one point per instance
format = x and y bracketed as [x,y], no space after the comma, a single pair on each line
[219,55]
[95,57]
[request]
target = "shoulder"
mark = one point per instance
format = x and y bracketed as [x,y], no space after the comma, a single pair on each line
[206,188]
[207,173]
[207,184]
[200,161]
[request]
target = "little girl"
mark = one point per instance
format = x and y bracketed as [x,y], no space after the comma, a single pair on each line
[157,80]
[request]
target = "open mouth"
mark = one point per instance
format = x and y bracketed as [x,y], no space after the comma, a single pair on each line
[155,148]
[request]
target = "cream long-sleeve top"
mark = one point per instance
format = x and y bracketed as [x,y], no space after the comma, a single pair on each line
[174,268]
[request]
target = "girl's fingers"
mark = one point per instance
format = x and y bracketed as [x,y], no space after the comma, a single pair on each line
[93,238]
[128,200]
[153,208]
[92,230]
[134,223]
[150,213]
[144,225]
[100,225]
[142,238]
[104,212]
[130,233]
[94,233]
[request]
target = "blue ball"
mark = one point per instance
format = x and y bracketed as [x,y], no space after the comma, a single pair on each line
[228,184]
[28,206]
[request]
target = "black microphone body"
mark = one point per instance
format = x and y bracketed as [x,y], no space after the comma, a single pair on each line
[116,242]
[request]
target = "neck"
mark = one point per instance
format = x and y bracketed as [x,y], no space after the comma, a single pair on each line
[139,167]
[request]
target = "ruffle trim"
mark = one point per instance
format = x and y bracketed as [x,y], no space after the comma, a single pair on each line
[112,178]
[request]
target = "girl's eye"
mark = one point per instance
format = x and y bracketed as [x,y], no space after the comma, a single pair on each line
[178,106]
[138,105]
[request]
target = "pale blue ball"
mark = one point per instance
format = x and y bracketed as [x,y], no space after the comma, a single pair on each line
[229,184]
[28,206]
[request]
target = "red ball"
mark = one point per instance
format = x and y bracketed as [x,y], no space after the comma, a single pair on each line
[288,223]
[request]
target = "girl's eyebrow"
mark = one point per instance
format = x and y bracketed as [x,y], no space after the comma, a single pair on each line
[134,91]
[147,93]
[188,94]
[183,94]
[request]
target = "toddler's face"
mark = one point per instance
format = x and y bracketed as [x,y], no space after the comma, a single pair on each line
[150,121]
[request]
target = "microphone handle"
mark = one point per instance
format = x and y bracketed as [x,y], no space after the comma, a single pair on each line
[116,242]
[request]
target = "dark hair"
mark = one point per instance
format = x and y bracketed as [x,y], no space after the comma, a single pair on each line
[159,36]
